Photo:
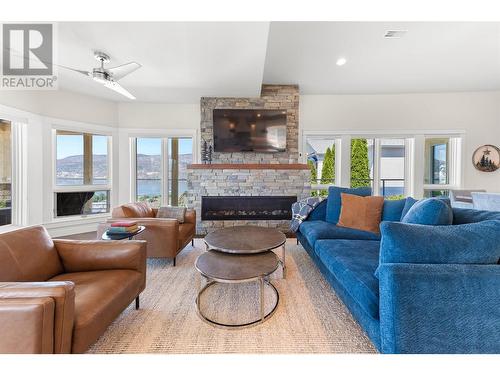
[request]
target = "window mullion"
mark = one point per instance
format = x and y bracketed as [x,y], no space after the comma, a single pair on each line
[87,159]
[164,171]
[376,166]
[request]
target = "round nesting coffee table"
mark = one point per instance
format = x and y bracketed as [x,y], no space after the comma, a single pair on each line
[247,239]
[220,267]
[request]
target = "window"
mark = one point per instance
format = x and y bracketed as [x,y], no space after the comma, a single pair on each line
[82,180]
[392,168]
[82,203]
[436,161]
[81,159]
[435,193]
[362,156]
[379,163]
[180,154]
[442,161]
[159,157]
[5,172]
[321,158]
[149,171]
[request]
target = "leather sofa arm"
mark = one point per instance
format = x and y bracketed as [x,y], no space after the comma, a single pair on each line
[81,256]
[62,293]
[27,325]
[190,216]
[147,221]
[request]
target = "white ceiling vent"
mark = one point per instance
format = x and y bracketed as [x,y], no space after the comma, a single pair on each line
[395,33]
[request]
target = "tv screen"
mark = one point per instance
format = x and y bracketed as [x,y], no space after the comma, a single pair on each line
[249,130]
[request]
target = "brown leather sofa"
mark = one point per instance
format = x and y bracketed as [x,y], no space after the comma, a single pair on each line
[165,237]
[59,296]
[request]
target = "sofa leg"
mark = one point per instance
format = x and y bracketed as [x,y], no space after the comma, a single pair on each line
[137,303]
[192,242]
[174,261]
[297,241]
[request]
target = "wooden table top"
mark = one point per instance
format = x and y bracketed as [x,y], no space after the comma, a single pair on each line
[246,239]
[224,267]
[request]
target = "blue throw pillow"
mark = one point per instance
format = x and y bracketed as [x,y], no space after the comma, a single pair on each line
[392,210]
[432,211]
[409,202]
[334,203]
[475,243]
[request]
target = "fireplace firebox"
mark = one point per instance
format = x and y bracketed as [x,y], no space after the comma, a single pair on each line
[247,207]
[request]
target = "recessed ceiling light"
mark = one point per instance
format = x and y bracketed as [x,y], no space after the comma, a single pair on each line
[395,34]
[341,61]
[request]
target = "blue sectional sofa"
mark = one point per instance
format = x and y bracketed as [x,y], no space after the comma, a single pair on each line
[414,288]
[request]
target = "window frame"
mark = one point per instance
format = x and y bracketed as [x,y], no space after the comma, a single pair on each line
[337,143]
[454,162]
[164,160]
[414,156]
[90,130]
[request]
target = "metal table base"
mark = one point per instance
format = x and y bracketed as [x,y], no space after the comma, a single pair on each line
[263,316]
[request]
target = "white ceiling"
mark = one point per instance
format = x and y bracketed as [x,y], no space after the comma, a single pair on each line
[184,61]
[181,61]
[431,57]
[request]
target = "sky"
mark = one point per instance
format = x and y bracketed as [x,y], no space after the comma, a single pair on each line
[69,145]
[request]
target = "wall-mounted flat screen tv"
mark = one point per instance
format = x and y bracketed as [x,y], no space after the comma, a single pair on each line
[249,130]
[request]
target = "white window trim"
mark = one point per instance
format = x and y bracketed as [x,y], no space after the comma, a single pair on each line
[80,127]
[456,156]
[164,135]
[414,155]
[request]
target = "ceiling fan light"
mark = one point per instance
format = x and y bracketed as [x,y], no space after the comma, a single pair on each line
[99,79]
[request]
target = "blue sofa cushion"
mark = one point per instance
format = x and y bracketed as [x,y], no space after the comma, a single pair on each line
[409,202]
[392,210]
[432,211]
[475,243]
[334,203]
[465,216]
[321,230]
[319,212]
[352,263]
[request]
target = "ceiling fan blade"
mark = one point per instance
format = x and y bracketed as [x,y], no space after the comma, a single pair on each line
[18,54]
[121,71]
[84,72]
[115,86]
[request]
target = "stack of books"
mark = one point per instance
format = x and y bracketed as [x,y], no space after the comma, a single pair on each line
[121,227]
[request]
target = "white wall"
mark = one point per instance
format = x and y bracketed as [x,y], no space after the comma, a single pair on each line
[476,113]
[40,111]
[159,116]
[63,105]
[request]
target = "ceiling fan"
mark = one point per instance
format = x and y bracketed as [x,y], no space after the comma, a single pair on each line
[109,76]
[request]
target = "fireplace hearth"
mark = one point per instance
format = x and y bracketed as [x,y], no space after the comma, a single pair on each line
[247,207]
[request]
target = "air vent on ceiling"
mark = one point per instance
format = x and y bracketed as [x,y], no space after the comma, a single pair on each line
[395,33]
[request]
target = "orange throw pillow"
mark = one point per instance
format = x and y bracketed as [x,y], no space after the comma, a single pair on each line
[361,213]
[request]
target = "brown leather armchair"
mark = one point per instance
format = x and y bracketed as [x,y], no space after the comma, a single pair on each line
[165,237]
[59,296]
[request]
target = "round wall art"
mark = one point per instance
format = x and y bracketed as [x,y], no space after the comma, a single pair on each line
[486,158]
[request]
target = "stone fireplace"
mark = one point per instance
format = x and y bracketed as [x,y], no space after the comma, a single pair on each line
[249,187]
[246,181]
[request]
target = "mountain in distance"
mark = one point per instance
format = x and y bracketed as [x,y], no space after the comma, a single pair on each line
[148,166]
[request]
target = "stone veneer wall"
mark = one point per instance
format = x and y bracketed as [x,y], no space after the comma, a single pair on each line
[283,97]
[244,182]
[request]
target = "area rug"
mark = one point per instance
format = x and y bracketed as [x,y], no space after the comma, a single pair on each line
[309,318]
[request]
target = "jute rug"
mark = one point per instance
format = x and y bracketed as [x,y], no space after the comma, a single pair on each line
[309,318]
